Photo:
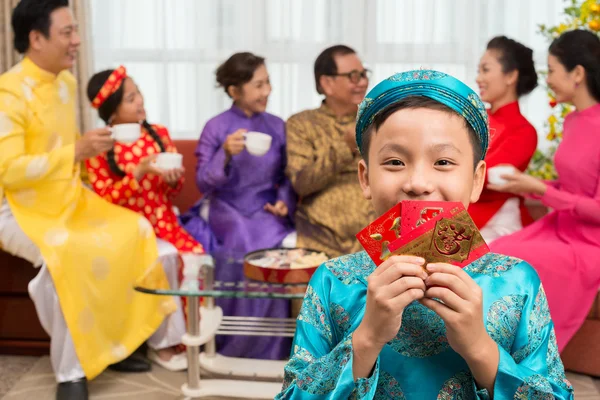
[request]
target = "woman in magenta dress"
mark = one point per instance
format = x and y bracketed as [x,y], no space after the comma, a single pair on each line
[564,246]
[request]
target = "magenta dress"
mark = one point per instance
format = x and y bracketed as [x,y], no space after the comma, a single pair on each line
[564,246]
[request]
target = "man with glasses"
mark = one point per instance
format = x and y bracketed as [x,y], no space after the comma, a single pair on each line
[323,157]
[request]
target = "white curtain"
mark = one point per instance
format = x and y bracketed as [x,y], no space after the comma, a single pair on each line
[172,47]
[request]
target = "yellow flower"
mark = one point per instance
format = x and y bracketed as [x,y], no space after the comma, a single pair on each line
[552,119]
[561,28]
[551,136]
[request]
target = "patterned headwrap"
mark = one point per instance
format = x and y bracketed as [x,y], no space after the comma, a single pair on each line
[112,84]
[428,83]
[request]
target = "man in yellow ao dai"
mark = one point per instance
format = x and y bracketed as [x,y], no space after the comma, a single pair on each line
[93,252]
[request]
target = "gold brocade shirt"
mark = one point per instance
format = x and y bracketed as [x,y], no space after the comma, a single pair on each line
[324,173]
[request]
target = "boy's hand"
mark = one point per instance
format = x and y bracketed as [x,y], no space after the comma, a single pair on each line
[462,308]
[462,312]
[396,283]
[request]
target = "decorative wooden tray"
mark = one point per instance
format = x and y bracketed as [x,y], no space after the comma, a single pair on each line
[281,265]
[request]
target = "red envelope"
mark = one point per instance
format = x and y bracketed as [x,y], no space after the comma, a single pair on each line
[416,212]
[449,237]
[376,237]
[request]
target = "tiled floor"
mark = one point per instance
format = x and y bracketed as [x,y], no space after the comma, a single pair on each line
[12,368]
[31,378]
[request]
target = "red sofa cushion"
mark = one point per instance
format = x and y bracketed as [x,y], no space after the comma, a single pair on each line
[190,193]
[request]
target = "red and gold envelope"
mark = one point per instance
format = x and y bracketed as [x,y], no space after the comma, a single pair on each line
[416,213]
[376,237]
[447,236]
[436,231]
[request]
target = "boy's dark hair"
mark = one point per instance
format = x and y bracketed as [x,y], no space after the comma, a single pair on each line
[516,56]
[108,108]
[238,69]
[33,15]
[580,47]
[325,62]
[417,102]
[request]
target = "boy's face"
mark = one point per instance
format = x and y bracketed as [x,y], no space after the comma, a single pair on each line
[421,154]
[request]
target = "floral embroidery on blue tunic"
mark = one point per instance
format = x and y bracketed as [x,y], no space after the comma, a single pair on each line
[540,317]
[419,75]
[313,313]
[388,387]
[301,359]
[556,370]
[363,386]
[503,320]
[321,377]
[459,387]
[534,387]
[492,264]
[351,269]
[303,354]
[341,318]
[422,333]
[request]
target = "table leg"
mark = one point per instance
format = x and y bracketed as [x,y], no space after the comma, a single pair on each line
[210,348]
[193,350]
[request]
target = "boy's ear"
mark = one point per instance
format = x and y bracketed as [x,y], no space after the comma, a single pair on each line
[363,178]
[478,181]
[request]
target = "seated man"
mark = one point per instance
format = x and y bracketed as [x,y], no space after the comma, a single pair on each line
[92,251]
[323,157]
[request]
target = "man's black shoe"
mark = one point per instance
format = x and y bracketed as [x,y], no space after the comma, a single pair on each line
[131,364]
[73,390]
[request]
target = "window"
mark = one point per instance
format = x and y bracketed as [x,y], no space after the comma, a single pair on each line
[172,47]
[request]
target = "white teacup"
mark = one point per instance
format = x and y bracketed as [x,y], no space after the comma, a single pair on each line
[126,133]
[495,174]
[167,161]
[257,143]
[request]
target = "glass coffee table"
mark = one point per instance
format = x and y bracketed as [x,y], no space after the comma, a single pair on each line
[256,379]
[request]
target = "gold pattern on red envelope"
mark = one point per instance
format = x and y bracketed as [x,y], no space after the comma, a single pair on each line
[417,212]
[376,237]
[428,213]
[450,237]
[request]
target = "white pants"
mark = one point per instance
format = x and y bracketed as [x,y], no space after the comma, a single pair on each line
[507,220]
[41,289]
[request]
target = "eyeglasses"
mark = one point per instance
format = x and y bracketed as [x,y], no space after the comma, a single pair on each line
[355,76]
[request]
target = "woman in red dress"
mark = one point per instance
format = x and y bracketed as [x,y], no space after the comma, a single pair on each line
[506,72]
[126,176]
